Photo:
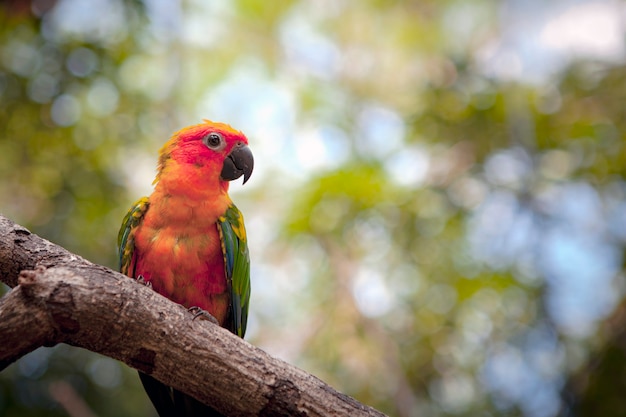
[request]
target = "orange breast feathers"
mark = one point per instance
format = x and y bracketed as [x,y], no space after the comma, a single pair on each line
[178,250]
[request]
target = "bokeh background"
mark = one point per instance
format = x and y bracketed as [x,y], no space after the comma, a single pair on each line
[437,217]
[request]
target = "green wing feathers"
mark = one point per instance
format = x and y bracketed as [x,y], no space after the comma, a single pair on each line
[125,240]
[237,266]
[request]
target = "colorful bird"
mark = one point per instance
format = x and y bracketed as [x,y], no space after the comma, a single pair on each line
[188,241]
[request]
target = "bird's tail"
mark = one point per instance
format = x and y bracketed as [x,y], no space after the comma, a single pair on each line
[170,402]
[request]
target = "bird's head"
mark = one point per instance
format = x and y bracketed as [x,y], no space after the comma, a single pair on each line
[215,151]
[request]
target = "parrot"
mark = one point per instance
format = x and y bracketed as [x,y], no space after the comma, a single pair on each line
[187,240]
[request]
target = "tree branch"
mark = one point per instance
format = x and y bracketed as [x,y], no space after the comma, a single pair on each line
[59,297]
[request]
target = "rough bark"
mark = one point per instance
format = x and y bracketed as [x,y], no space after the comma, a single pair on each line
[59,297]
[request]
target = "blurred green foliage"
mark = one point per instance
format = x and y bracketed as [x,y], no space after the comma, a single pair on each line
[453,251]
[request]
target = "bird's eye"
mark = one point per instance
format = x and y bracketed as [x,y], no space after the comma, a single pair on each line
[213,140]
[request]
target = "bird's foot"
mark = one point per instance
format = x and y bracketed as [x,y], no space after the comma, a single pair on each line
[198,312]
[141,280]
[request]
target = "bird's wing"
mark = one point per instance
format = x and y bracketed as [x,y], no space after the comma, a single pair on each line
[237,266]
[125,238]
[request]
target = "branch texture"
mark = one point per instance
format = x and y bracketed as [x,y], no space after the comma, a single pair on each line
[59,297]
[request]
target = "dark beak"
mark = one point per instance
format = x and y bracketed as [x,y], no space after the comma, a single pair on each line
[239,162]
